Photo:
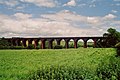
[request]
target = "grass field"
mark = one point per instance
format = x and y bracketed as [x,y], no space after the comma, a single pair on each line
[17,64]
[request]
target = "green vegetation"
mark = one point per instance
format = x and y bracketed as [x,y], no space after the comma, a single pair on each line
[58,47]
[117,46]
[65,63]
[4,44]
[109,70]
[30,46]
[111,38]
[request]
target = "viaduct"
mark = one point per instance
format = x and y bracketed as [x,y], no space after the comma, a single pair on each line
[17,41]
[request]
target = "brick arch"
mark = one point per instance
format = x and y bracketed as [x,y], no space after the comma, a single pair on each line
[15,41]
[67,42]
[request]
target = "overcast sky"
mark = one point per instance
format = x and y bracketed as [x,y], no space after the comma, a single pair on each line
[37,18]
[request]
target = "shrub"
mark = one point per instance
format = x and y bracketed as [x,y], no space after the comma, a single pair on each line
[90,45]
[71,45]
[109,70]
[5,47]
[4,42]
[38,47]
[31,46]
[58,47]
[18,47]
[12,47]
[117,46]
[61,73]
[2,47]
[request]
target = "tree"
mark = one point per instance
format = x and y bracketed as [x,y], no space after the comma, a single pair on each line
[4,42]
[110,39]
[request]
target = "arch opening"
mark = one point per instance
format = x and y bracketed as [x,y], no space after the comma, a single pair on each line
[62,43]
[80,43]
[90,43]
[71,43]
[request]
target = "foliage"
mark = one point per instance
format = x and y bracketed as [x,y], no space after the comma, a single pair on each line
[38,47]
[17,47]
[31,46]
[58,47]
[4,47]
[4,42]
[109,70]
[71,44]
[46,44]
[61,73]
[110,39]
[117,46]
[17,64]
[12,47]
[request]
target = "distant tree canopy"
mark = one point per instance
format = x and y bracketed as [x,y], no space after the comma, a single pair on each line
[4,42]
[111,38]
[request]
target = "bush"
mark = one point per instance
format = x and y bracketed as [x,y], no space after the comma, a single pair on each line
[18,47]
[3,47]
[38,47]
[4,42]
[117,46]
[71,45]
[109,70]
[90,46]
[12,47]
[61,73]
[31,46]
[58,47]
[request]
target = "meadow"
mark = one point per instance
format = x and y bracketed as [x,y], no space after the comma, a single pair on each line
[21,64]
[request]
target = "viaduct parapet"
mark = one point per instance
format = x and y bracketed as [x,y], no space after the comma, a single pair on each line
[18,41]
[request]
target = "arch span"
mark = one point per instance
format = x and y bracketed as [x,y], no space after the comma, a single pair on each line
[15,41]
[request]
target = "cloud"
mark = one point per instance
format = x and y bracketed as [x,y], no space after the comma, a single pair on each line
[82,5]
[70,3]
[44,3]
[92,5]
[21,16]
[93,20]
[118,4]
[62,23]
[110,16]
[93,1]
[10,3]
[28,27]
[64,15]
[114,11]
[20,7]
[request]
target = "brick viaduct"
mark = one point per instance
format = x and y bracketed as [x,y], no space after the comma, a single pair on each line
[17,41]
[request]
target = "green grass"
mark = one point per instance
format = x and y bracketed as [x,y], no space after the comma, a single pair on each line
[17,64]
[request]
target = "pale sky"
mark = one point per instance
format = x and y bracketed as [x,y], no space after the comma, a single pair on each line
[38,18]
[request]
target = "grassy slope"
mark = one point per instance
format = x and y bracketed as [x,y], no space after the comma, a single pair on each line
[18,63]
